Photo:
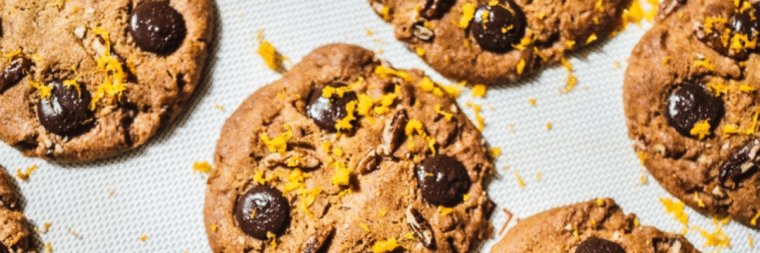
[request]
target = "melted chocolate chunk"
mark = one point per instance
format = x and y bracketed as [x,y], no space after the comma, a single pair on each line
[18,68]
[3,248]
[743,22]
[691,104]
[434,9]
[326,112]
[740,23]
[741,161]
[503,26]
[443,180]
[66,112]
[598,245]
[156,27]
[272,212]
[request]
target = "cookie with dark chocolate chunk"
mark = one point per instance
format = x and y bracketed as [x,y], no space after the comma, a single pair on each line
[16,235]
[83,80]
[347,154]
[596,226]
[491,41]
[691,101]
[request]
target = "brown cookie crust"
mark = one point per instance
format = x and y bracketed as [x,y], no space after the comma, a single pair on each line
[554,23]
[687,167]
[15,233]
[388,188]
[554,230]
[57,37]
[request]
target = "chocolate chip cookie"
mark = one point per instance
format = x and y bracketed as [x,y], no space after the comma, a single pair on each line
[82,80]
[16,236]
[493,41]
[691,101]
[597,226]
[347,154]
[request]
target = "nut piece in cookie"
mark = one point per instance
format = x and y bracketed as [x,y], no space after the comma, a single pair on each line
[347,154]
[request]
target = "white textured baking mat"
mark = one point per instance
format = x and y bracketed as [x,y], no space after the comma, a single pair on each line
[107,206]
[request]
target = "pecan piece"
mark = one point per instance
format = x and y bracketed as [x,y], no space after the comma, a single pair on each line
[420,227]
[317,240]
[306,159]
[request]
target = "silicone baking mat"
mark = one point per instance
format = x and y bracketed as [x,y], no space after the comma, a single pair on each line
[107,206]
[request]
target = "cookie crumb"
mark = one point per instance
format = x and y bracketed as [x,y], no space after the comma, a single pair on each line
[219,107]
[75,234]
[370,32]
[617,64]
[26,174]
[202,167]
[45,228]
[144,237]
[273,59]
[539,176]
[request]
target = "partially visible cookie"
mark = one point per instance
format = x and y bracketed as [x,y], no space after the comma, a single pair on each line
[597,226]
[82,80]
[483,41]
[346,154]
[692,104]
[15,234]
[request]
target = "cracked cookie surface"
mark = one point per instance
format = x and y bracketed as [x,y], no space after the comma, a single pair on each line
[346,154]
[593,226]
[83,80]
[483,41]
[690,98]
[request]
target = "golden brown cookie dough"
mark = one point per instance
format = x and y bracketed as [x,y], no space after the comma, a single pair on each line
[691,105]
[15,234]
[520,36]
[588,227]
[406,170]
[82,80]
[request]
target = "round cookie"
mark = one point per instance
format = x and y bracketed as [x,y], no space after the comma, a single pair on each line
[82,80]
[15,236]
[483,41]
[692,105]
[346,154]
[596,226]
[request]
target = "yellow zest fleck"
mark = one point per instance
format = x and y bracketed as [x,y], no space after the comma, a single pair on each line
[521,66]
[479,90]
[214,227]
[25,175]
[575,232]
[453,90]
[344,192]
[753,222]
[44,90]
[493,2]
[345,123]
[539,176]
[446,115]
[599,6]
[410,236]
[717,88]
[704,63]
[280,143]
[717,239]
[429,86]
[701,129]
[746,88]
[481,121]
[115,76]
[337,151]
[259,178]
[307,199]
[617,64]
[540,54]
[549,126]
[676,208]
[342,176]
[634,13]
[202,167]
[700,203]
[144,237]
[519,179]
[466,197]
[468,12]
[294,161]
[600,202]
[36,57]
[382,213]
[253,214]
[495,152]
[711,22]
[572,80]
[751,241]
[526,40]
[219,107]
[388,99]
[295,181]
[364,226]
[69,83]
[364,104]
[13,55]
[370,32]
[384,72]
[636,223]
[329,91]
[596,20]
[570,44]
[444,210]
[273,59]
[386,13]
[431,145]
[272,240]
[532,101]
[385,246]
[420,51]
[666,61]
[591,38]
[48,247]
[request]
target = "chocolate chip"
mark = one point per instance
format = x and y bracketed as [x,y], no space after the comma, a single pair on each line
[691,104]
[598,245]
[156,27]
[434,9]
[741,161]
[66,112]
[443,180]
[272,212]
[503,26]
[326,112]
[18,68]
[741,22]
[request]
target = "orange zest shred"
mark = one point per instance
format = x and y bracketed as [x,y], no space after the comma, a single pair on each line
[342,176]
[700,203]
[364,226]
[295,181]
[600,202]
[445,114]
[383,246]
[44,90]
[717,239]
[591,38]
[272,58]
[69,83]
[519,179]
[144,237]
[526,40]
[521,66]
[753,222]
[495,152]
[384,72]
[427,85]
[202,167]
[676,208]
[280,143]
[571,79]
[704,63]
[444,210]
[481,121]
[701,129]
[272,239]
[634,13]
[466,197]
[386,13]
[115,76]
[25,174]
[345,123]
[479,90]
[468,12]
